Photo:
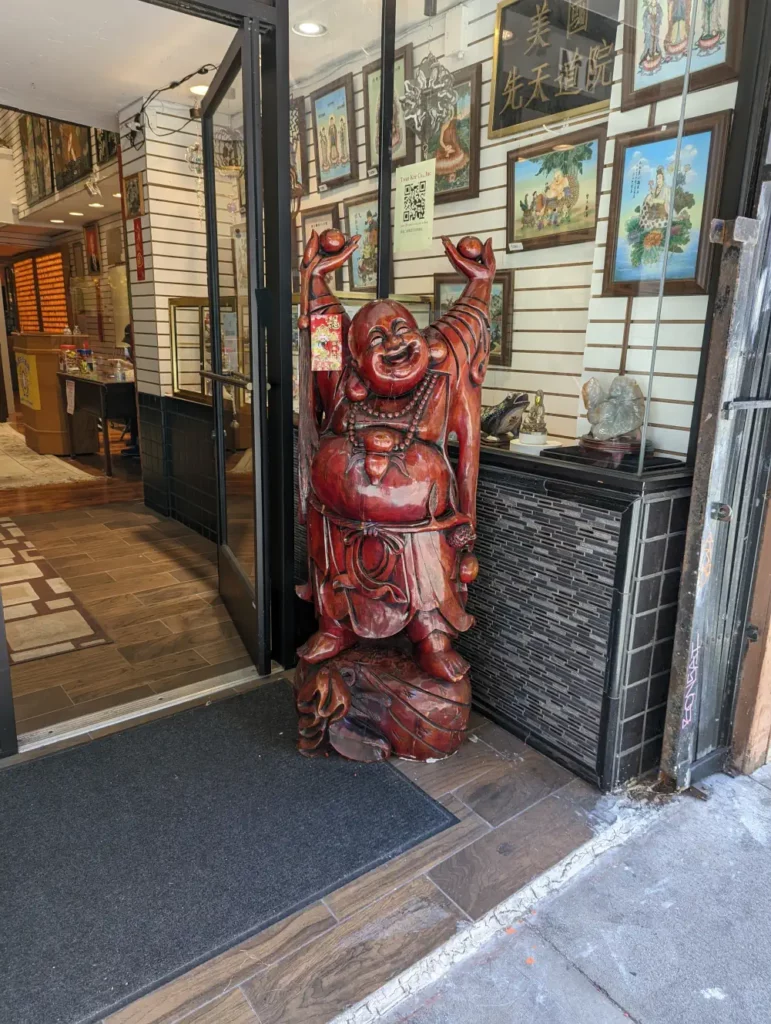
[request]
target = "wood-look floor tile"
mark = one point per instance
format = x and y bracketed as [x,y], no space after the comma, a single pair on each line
[69,669]
[179,592]
[96,686]
[440,777]
[204,672]
[40,702]
[143,570]
[196,617]
[511,787]
[173,643]
[90,580]
[213,978]
[195,572]
[499,864]
[150,583]
[502,740]
[355,958]
[109,564]
[222,650]
[110,699]
[118,613]
[233,1008]
[62,562]
[142,632]
[363,891]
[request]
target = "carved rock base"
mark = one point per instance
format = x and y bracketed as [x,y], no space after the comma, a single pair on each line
[373,701]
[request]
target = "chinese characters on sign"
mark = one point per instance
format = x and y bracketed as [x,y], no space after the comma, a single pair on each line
[553,60]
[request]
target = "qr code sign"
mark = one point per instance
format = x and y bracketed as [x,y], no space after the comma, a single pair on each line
[414,201]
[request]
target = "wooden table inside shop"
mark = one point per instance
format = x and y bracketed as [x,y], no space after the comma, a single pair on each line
[108,399]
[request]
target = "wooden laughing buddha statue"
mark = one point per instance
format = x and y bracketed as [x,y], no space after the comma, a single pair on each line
[390,521]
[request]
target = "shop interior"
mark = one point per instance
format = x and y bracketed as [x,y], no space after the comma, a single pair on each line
[99,303]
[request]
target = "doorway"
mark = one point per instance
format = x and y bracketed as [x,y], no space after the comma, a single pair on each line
[202,214]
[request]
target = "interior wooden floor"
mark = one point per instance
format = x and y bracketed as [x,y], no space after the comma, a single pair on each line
[151,583]
[518,814]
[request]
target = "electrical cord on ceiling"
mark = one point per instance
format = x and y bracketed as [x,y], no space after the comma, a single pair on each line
[136,124]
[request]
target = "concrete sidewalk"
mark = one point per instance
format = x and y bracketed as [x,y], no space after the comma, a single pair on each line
[672,928]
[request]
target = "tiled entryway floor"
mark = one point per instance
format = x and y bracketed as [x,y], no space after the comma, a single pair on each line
[151,584]
[519,814]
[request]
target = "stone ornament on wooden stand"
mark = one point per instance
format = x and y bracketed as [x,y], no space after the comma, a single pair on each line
[391,522]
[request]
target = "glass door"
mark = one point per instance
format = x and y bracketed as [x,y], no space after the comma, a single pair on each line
[235,324]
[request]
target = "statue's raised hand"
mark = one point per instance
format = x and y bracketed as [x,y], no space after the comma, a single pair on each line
[322,256]
[471,258]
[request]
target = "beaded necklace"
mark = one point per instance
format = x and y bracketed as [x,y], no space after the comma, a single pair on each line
[361,414]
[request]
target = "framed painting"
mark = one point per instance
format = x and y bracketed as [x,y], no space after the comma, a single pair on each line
[36,157]
[646,188]
[448,289]
[71,145]
[318,220]
[298,150]
[552,60]
[133,195]
[334,134]
[361,217]
[656,47]
[107,144]
[402,140]
[455,144]
[553,191]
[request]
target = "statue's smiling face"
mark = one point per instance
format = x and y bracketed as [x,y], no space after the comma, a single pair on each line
[390,353]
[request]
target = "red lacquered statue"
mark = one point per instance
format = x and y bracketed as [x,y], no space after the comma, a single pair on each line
[390,523]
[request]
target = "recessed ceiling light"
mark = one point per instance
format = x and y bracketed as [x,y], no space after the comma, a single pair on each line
[53,221]
[74,213]
[116,195]
[98,206]
[309,28]
[199,90]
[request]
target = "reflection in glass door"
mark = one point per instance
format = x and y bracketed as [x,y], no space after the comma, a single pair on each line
[235,264]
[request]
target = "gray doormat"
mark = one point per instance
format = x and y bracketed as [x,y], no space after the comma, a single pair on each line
[127,861]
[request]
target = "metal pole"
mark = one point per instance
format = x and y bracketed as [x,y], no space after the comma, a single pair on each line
[387,51]
[667,237]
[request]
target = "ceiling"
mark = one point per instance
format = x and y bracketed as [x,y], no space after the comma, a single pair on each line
[17,238]
[78,202]
[84,60]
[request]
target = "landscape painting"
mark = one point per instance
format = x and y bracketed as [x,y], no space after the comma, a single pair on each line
[649,189]
[553,191]
[334,134]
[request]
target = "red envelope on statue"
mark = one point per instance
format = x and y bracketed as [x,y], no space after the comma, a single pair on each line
[326,341]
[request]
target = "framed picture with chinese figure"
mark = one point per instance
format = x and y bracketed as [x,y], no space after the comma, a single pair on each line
[402,139]
[318,220]
[71,145]
[36,157]
[647,189]
[298,150]
[656,47]
[334,134]
[455,143]
[107,144]
[448,288]
[361,215]
[553,191]
[552,60]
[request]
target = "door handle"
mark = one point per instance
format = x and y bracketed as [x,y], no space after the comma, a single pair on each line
[239,380]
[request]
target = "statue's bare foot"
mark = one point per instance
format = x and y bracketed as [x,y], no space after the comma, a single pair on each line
[326,643]
[436,656]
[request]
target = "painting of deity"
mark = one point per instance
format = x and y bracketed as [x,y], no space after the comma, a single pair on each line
[320,219]
[659,194]
[361,217]
[71,152]
[553,191]
[402,140]
[298,157]
[656,38]
[107,144]
[36,157]
[448,289]
[455,144]
[334,134]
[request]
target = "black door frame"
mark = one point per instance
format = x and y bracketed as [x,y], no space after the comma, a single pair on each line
[275,308]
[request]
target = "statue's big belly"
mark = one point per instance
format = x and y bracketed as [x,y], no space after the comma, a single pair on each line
[401,496]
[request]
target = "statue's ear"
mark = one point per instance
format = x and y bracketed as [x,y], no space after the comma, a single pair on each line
[437,351]
[355,389]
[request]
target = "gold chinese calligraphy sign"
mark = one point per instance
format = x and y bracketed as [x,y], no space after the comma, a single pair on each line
[552,60]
